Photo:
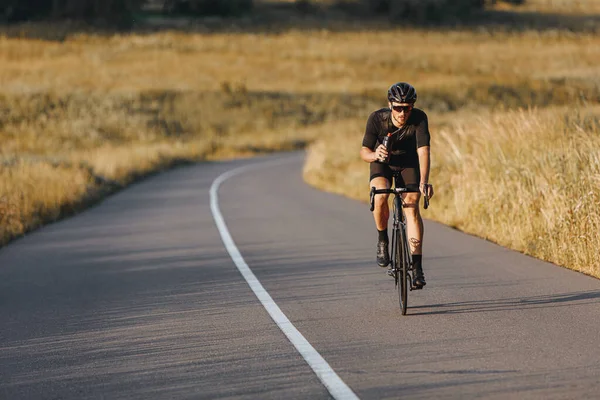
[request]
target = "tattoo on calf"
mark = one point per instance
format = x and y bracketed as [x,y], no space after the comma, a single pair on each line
[415,242]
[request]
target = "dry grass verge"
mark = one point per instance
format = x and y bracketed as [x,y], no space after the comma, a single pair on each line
[60,154]
[528,180]
[99,111]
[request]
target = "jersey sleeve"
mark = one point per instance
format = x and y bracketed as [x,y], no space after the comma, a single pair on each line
[371,133]
[422,132]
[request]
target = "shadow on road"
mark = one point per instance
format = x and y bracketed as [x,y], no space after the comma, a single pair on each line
[515,303]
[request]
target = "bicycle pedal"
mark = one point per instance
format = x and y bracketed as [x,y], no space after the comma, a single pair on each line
[391,273]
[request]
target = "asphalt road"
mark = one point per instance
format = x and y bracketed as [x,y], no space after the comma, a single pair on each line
[138,298]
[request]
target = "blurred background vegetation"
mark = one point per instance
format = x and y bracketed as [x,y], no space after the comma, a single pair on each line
[575,15]
[117,11]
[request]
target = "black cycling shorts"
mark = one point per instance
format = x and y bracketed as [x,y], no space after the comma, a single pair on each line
[405,176]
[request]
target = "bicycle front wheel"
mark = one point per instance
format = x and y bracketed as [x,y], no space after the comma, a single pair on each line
[402,270]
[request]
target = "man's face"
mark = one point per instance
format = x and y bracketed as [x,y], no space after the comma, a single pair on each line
[401,111]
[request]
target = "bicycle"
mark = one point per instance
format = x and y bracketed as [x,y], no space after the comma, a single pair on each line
[401,259]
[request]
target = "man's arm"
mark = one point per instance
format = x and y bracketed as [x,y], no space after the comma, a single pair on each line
[367,154]
[424,153]
[369,151]
[424,163]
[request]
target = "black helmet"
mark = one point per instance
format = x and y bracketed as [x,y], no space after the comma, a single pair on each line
[402,92]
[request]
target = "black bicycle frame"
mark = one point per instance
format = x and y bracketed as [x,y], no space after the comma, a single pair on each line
[399,228]
[399,224]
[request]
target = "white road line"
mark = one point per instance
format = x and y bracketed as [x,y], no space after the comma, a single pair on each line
[336,387]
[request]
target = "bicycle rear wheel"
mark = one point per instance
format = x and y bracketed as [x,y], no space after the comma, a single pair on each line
[402,270]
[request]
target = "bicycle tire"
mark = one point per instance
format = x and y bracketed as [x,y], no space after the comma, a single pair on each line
[393,258]
[402,273]
[401,268]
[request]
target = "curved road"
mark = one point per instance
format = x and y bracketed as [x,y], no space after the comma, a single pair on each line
[138,298]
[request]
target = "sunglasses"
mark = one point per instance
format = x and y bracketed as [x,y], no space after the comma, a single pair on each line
[400,109]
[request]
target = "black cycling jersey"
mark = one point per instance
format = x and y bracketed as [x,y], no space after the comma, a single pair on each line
[414,134]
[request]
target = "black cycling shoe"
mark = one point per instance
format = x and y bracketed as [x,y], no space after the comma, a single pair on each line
[419,278]
[383,256]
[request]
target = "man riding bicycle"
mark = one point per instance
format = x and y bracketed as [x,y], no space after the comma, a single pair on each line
[408,161]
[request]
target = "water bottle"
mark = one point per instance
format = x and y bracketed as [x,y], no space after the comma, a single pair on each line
[387,143]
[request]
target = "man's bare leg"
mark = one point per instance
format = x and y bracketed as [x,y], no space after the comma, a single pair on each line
[381,214]
[414,230]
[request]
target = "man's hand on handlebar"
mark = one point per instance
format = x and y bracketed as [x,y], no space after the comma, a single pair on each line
[426,190]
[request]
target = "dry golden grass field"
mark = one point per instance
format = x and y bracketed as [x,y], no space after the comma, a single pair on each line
[514,114]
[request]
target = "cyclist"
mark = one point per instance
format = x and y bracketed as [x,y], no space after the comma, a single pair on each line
[409,155]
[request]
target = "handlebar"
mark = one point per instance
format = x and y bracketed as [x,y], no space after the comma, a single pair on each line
[396,191]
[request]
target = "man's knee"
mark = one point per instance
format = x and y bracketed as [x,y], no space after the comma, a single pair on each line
[381,200]
[411,204]
[411,207]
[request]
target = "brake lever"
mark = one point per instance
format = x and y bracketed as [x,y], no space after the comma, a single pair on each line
[372,198]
